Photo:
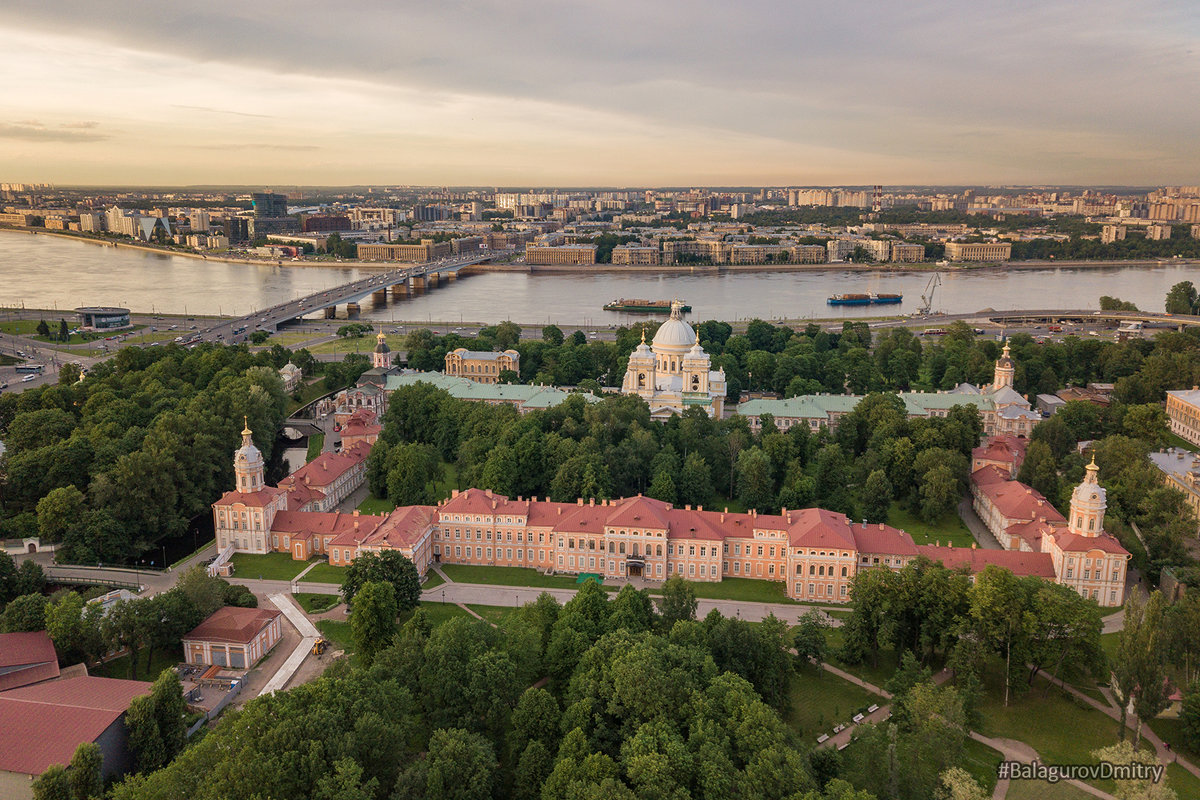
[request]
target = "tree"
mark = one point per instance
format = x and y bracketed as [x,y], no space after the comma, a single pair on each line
[662,487]
[877,496]
[1122,753]
[59,513]
[756,486]
[1189,716]
[169,712]
[552,335]
[86,777]
[389,567]
[678,601]
[632,609]
[145,741]
[43,329]
[507,334]
[695,480]
[206,592]
[259,337]
[939,493]
[30,578]
[24,614]
[1182,299]
[1146,422]
[373,618]
[460,766]
[809,640]
[346,783]
[957,784]
[52,784]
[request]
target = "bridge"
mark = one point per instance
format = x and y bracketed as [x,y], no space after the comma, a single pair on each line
[400,283]
[1084,316]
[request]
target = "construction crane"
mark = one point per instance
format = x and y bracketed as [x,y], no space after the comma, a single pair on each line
[927,297]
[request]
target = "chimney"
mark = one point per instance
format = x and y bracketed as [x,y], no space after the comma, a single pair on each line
[688,507]
[454,492]
[487,492]
[881,526]
[726,509]
[356,512]
[579,501]
[592,502]
[699,508]
[973,545]
[723,516]
[519,498]
[560,511]
[864,524]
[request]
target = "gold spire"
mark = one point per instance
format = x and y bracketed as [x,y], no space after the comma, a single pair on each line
[643,334]
[246,430]
[1093,464]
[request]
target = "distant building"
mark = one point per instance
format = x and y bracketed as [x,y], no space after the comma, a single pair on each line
[636,256]
[268,204]
[233,637]
[1180,470]
[325,224]
[237,229]
[361,426]
[426,250]
[1158,232]
[1183,412]
[978,251]
[810,254]
[103,318]
[906,252]
[481,366]
[561,255]
[291,376]
[1112,233]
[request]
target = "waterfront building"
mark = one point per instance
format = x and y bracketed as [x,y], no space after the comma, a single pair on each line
[908,253]
[674,373]
[979,251]
[1183,413]
[269,204]
[561,255]
[636,256]
[1181,471]
[324,223]
[1112,233]
[1158,232]
[425,250]
[809,254]
[103,318]
[482,366]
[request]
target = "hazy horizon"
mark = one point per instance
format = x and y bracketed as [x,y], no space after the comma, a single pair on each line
[616,94]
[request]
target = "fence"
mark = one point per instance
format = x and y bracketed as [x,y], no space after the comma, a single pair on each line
[218,708]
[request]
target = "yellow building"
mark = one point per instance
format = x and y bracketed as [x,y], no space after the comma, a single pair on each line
[908,253]
[979,251]
[1180,470]
[426,250]
[1183,411]
[566,254]
[636,256]
[481,366]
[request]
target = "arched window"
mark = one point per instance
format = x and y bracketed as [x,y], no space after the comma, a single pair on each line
[635,548]
[695,383]
[658,550]
[641,380]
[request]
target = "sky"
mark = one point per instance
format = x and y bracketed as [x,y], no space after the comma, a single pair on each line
[614,93]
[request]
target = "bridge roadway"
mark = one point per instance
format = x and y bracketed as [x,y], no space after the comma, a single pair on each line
[411,276]
[1078,316]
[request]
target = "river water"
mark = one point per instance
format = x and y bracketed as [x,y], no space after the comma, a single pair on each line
[52,272]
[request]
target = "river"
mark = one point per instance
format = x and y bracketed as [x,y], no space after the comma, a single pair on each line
[52,272]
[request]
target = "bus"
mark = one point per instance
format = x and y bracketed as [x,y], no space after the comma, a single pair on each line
[36,369]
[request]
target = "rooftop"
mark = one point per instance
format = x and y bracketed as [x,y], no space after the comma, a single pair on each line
[233,624]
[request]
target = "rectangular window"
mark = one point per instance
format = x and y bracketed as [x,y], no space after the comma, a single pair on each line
[736,564]
[702,569]
[760,549]
[771,569]
[479,552]
[691,549]
[508,553]
[691,569]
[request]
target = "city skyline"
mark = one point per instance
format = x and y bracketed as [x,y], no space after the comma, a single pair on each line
[620,94]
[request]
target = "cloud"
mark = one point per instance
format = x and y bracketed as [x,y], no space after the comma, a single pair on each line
[33,131]
[210,110]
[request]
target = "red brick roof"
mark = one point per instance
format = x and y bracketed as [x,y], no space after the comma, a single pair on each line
[402,528]
[883,539]
[816,527]
[259,499]
[26,658]
[233,624]
[1017,501]
[325,469]
[42,725]
[1075,543]
[304,524]
[1018,562]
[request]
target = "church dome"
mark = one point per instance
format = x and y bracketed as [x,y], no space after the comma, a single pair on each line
[381,344]
[674,334]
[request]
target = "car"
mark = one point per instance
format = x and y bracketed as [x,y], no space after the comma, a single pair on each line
[3,385]
[28,378]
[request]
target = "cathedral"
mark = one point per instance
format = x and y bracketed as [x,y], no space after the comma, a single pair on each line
[673,372]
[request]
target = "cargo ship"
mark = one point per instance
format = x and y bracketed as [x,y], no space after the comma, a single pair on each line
[643,306]
[864,299]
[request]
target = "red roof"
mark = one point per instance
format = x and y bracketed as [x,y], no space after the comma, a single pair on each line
[325,469]
[303,524]
[883,539]
[26,658]
[1017,562]
[1015,500]
[403,528]
[484,501]
[1075,543]
[259,499]
[640,512]
[42,725]
[816,527]
[233,624]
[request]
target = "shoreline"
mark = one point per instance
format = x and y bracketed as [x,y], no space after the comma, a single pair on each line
[690,269]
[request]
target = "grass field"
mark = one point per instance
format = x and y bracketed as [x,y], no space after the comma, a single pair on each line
[147,670]
[325,573]
[749,589]
[316,603]
[1174,440]
[877,674]
[1041,790]
[271,567]
[376,505]
[507,576]
[315,443]
[363,344]
[949,529]
[291,338]
[981,761]
[432,580]
[818,700]
[493,614]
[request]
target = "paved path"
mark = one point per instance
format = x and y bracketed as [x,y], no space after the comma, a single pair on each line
[308,635]
[1012,750]
[975,525]
[1164,753]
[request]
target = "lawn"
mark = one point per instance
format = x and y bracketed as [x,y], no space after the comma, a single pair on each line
[877,674]
[376,505]
[316,603]
[432,580]
[316,443]
[1171,732]
[308,393]
[325,573]
[363,344]
[507,576]
[981,761]
[949,529]
[1183,782]
[271,567]
[748,589]
[818,700]
[147,670]
[1041,790]
[291,337]
[1174,440]
[493,614]
[342,637]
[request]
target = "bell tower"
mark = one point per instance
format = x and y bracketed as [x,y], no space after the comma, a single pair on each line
[1005,370]
[248,463]
[381,357]
[1088,503]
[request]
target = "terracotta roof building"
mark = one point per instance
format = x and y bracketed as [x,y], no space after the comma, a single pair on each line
[26,658]
[41,725]
[233,637]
